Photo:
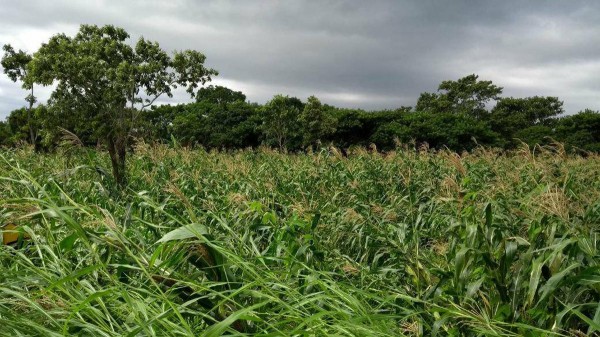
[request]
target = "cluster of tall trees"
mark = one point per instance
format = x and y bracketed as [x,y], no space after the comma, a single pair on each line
[459,116]
[105,89]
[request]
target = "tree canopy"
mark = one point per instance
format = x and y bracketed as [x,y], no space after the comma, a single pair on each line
[511,116]
[104,82]
[466,95]
[280,121]
[219,95]
[315,122]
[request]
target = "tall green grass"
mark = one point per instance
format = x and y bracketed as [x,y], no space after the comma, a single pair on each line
[267,244]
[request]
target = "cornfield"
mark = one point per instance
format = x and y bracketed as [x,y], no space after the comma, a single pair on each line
[262,243]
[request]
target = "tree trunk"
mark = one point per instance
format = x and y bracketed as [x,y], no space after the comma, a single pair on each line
[32,135]
[280,141]
[117,149]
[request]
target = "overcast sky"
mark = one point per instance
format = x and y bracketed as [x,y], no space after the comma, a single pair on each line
[364,54]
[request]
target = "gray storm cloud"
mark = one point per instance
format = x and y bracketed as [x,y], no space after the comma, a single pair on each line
[369,55]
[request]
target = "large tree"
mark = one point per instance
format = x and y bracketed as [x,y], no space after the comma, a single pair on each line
[15,65]
[466,95]
[104,82]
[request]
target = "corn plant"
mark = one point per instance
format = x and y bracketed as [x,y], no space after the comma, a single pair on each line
[261,243]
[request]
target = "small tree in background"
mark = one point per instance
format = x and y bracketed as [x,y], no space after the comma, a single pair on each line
[581,131]
[23,122]
[4,134]
[518,117]
[219,95]
[280,120]
[15,64]
[315,122]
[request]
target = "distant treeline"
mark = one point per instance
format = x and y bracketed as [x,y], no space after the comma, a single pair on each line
[461,115]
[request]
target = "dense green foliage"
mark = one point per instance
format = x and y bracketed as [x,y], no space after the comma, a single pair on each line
[222,118]
[269,244]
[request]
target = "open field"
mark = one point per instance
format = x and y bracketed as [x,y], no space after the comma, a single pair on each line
[267,244]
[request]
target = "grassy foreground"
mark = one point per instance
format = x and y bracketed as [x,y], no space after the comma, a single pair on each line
[266,244]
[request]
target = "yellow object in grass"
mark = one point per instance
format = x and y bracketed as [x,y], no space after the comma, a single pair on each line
[10,234]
